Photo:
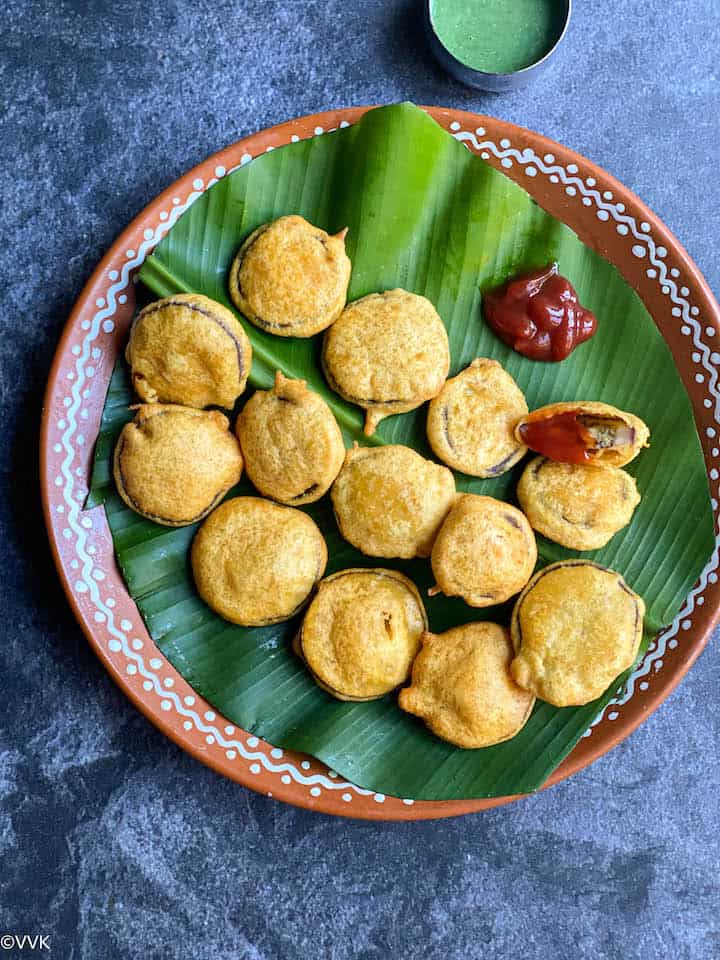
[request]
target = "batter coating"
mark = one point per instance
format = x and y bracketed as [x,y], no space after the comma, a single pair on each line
[255,562]
[190,350]
[361,633]
[575,628]
[388,353]
[485,551]
[584,431]
[471,422]
[580,507]
[390,502]
[174,464]
[462,687]
[291,442]
[290,277]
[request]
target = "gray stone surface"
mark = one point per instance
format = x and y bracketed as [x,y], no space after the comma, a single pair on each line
[111,839]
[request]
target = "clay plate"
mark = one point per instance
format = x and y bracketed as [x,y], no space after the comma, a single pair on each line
[604,213]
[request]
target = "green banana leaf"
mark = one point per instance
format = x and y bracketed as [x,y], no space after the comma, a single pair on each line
[427,215]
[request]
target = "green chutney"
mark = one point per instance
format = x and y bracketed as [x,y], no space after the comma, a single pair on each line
[498,36]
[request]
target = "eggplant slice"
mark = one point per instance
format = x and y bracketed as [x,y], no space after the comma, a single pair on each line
[173,464]
[292,445]
[290,278]
[255,562]
[361,633]
[584,431]
[190,350]
[575,628]
[462,687]
[471,422]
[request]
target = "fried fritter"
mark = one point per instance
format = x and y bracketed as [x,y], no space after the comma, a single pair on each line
[388,353]
[390,502]
[256,562]
[575,628]
[584,431]
[291,442]
[290,277]
[190,350]
[580,507]
[471,422]
[462,688]
[361,633]
[485,551]
[173,464]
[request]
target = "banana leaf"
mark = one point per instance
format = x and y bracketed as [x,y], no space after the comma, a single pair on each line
[427,215]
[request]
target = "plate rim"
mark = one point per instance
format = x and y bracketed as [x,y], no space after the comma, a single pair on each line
[454,119]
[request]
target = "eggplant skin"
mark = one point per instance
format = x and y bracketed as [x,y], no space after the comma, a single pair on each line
[600,418]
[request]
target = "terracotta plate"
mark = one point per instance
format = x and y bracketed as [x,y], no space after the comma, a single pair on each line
[604,213]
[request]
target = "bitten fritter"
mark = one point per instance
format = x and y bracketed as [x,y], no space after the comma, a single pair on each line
[584,431]
[256,562]
[388,353]
[291,442]
[575,628]
[485,551]
[580,507]
[190,350]
[390,502]
[361,633]
[173,464]
[290,278]
[471,422]
[462,688]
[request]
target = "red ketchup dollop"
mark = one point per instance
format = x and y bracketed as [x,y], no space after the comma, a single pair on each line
[560,437]
[539,315]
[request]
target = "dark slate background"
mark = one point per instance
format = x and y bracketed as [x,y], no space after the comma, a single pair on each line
[112,841]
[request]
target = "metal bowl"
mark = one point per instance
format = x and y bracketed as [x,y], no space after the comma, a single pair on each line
[479,79]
